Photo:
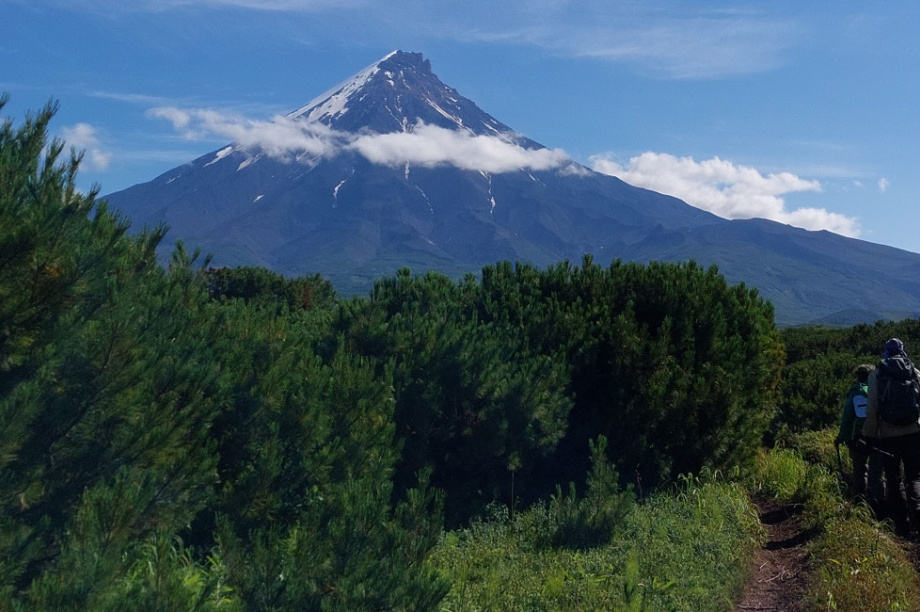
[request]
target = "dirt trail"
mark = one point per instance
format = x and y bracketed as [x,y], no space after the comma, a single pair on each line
[780,567]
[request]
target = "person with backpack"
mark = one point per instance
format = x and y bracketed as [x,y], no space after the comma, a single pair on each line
[893,425]
[867,463]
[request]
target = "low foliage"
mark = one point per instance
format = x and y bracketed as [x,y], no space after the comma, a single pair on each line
[861,567]
[261,287]
[590,520]
[857,565]
[683,549]
[500,384]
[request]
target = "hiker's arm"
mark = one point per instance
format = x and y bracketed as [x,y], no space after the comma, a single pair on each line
[846,421]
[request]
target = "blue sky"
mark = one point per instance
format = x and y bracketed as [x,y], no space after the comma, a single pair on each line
[802,112]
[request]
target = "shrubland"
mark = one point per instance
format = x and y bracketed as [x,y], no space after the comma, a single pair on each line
[578,437]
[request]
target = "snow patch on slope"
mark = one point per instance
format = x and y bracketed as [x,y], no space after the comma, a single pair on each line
[248,162]
[220,155]
[488,177]
[425,195]
[335,191]
[445,114]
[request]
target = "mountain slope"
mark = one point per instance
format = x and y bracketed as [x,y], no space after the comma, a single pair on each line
[394,168]
[811,277]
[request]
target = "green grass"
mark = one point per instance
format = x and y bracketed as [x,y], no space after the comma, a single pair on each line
[685,549]
[856,562]
[860,567]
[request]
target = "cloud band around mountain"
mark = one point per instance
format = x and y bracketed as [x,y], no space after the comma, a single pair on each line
[728,190]
[281,137]
[429,145]
[423,145]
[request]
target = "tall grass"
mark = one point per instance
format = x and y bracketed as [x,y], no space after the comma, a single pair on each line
[859,566]
[687,549]
[857,563]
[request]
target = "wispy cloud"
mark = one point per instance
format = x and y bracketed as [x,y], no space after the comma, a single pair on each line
[82,137]
[131,98]
[424,145]
[165,5]
[664,38]
[692,48]
[883,185]
[726,189]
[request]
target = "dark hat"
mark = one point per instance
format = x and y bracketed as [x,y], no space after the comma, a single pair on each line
[893,348]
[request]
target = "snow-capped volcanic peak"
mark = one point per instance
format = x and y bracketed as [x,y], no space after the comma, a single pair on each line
[395,94]
[334,102]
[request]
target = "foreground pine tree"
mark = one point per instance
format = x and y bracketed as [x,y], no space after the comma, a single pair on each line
[166,446]
[107,384]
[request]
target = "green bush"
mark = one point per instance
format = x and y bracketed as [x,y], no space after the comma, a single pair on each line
[108,383]
[817,447]
[819,370]
[500,384]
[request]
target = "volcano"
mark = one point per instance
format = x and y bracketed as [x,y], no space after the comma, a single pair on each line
[392,168]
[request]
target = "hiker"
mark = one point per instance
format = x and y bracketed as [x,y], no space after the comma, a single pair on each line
[892,417]
[867,465]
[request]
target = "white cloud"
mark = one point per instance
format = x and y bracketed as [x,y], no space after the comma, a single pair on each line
[883,185]
[277,5]
[132,98]
[423,145]
[82,137]
[726,189]
[281,137]
[428,145]
[178,117]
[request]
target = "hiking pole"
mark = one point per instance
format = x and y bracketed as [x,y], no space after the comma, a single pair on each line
[871,447]
[839,463]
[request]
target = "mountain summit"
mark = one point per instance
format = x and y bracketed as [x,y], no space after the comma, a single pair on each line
[394,168]
[394,94]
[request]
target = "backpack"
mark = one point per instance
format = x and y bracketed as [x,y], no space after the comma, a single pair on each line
[860,401]
[898,391]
